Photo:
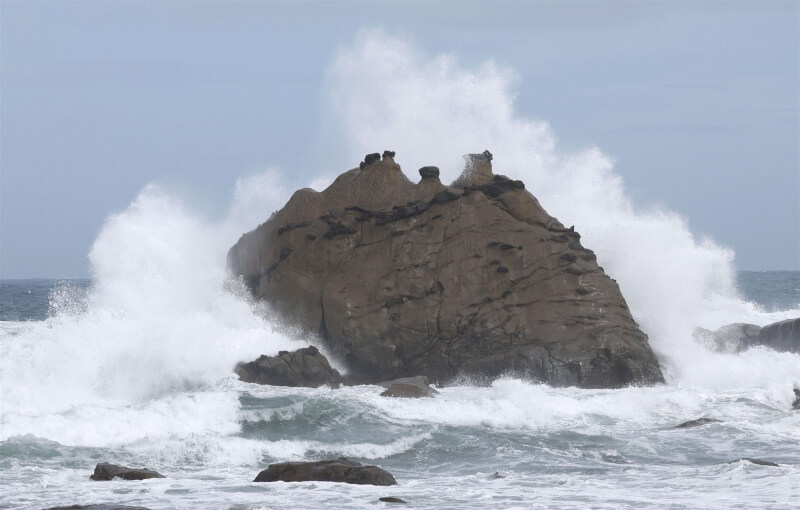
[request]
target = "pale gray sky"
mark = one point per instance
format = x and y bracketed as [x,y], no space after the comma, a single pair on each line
[697,103]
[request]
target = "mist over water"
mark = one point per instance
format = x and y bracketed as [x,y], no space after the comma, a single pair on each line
[139,367]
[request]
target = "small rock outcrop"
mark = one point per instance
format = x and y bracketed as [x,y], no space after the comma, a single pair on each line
[341,470]
[391,499]
[105,471]
[781,336]
[405,390]
[305,367]
[696,423]
[796,403]
[400,278]
[758,462]
[408,387]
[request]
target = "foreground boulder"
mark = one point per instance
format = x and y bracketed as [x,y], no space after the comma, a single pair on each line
[341,470]
[304,367]
[476,280]
[105,471]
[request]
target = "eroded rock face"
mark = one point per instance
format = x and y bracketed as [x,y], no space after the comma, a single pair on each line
[475,279]
[304,367]
[105,472]
[341,470]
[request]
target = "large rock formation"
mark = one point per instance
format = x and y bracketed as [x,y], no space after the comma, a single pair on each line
[474,279]
[341,470]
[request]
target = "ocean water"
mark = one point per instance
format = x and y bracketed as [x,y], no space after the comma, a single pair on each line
[134,366]
[84,383]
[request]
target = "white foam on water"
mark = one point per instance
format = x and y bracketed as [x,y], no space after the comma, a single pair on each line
[162,322]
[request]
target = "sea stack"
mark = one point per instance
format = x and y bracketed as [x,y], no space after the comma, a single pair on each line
[474,279]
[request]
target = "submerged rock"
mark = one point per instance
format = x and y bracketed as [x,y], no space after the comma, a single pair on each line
[304,367]
[755,461]
[391,499]
[473,280]
[404,390]
[696,423]
[341,470]
[409,387]
[105,471]
[98,507]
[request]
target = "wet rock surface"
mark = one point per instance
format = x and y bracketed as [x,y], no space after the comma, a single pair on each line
[305,367]
[476,279]
[341,470]
[796,403]
[105,471]
[405,390]
[781,336]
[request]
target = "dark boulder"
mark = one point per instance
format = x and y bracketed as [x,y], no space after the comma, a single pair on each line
[341,470]
[403,281]
[105,471]
[305,367]
[696,423]
[796,403]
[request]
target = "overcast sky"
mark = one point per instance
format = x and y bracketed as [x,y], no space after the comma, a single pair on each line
[697,103]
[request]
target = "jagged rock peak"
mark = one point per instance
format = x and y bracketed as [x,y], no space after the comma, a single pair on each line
[477,170]
[429,172]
